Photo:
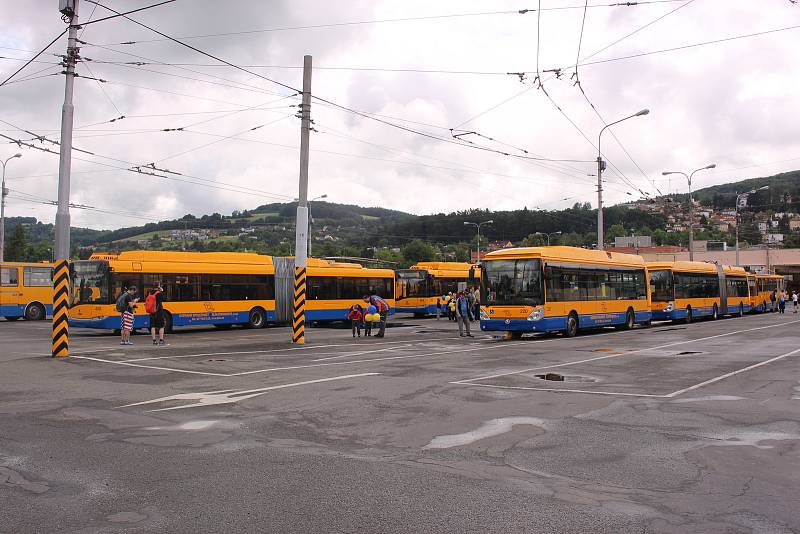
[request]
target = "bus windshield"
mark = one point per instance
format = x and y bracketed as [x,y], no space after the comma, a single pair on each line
[510,282]
[661,288]
[90,282]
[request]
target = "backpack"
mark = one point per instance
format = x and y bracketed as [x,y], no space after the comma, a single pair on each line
[121,305]
[150,304]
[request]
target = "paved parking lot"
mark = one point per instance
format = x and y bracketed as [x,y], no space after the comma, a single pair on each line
[676,428]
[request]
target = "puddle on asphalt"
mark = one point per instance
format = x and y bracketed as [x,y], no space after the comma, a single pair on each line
[491,428]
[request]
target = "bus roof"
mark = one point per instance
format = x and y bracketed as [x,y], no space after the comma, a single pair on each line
[567,254]
[446,269]
[733,270]
[317,266]
[684,266]
[185,257]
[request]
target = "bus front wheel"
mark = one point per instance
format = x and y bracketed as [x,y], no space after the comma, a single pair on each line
[34,312]
[630,320]
[572,325]
[256,319]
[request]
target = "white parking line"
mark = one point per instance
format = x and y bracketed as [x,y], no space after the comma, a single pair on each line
[568,364]
[149,366]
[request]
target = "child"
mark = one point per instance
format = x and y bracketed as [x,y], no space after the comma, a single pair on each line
[371,310]
[356,316]
[451,306]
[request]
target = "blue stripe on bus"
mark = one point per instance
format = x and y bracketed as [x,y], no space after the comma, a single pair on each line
[430,310]
[12,310]
[554,324]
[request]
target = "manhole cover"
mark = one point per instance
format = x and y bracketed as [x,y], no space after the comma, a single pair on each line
[555,377]
[551,376]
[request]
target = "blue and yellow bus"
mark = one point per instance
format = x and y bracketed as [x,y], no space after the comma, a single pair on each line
[562,289]
[26,290]
[418,288]
[687,290]
[765,285]
[218,288]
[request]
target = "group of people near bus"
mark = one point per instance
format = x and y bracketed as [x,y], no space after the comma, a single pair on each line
[374,314]
[782,297]
[462,307]
[154,306]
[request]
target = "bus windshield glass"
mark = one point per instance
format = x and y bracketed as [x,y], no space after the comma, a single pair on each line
[90,282]
[661,288]
[513,282]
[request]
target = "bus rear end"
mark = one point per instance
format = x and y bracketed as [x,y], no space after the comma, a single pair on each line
[92,304]
[414,292]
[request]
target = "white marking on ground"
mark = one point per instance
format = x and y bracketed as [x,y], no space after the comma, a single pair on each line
[349,354]
[128,364]
[495,427]
[710,398]
[628,353]
[212,398]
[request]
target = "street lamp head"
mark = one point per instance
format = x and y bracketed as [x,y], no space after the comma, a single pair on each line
[558,233]
[467,223]
[713,165]
[490,221]
[667,172]
[643,112]
[763,188]
[17,155]
[323,196]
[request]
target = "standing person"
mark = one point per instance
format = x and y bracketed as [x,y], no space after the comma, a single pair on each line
[471,297]
[477,306]
[782,302]
[154,305]
[772,299]
[451,307]
[126,303]
[383,310]
[356,316]
[794,300]
[438,306]
[463,313]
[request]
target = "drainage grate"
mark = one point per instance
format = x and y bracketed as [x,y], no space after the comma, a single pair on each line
[551,376]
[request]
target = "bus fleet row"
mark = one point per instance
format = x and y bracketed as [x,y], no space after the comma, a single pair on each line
[537,289]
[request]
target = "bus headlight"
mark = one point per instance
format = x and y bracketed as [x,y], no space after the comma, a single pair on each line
[536,314]
[670,307]
[483,315]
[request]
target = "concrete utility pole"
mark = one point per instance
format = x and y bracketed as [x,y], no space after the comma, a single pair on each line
[478,226]
[301,224]
[61,285]
[601,166]
[3,195]
[691,203]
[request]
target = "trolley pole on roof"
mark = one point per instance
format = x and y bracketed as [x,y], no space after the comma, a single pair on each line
[301,225]
[61,285]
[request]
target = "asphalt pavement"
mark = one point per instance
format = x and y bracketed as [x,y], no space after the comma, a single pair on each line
[670,429]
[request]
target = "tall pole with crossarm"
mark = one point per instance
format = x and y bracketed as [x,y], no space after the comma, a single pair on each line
[301,225]
[61,285]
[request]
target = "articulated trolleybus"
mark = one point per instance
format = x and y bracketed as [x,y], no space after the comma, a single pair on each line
[686,290]
[562,289]
[26,290]
[417,289]
[218,288]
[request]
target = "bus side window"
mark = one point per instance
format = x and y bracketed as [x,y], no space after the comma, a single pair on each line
[9,277]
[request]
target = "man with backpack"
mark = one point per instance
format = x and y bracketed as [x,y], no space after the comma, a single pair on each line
[126,303]
[154,305]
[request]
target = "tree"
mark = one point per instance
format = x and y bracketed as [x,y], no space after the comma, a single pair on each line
[616,230]
[418,250]
[15,246]
[534,240]
[659,237]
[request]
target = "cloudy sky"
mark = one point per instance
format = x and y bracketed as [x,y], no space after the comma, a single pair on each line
[733,103]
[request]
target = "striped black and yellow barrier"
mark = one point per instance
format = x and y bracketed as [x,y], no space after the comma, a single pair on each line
[60,345]
[299,311]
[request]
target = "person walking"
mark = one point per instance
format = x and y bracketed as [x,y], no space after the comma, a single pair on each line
[383,310]
[782,302]
[154,306]
[356,316]
[126,304]
[794,300]
[471,298]
[477,306]
[772,299]
[463,314]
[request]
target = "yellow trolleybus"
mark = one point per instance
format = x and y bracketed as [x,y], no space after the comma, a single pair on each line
[765,284]
[562,289]
[26,290]
[417,289]
[218,288]
[686,290]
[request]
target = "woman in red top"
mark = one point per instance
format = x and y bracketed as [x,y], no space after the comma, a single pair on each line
[356,316]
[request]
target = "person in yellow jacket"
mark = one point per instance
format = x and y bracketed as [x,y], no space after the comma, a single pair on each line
[451,307]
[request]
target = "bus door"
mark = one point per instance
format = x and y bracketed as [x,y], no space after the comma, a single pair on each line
[284,289]
[723,291]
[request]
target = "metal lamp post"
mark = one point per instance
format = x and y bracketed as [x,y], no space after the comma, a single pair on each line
[601,165]
[691,203]
[736,214]
[478,226]
[3,194]
[311,220]
[548,235]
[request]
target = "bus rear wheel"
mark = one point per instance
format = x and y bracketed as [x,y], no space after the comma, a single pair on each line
[630,320]
[257,318]
[35,312]
[572,325]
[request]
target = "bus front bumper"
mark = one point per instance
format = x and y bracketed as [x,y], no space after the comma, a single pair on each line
[547,324]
